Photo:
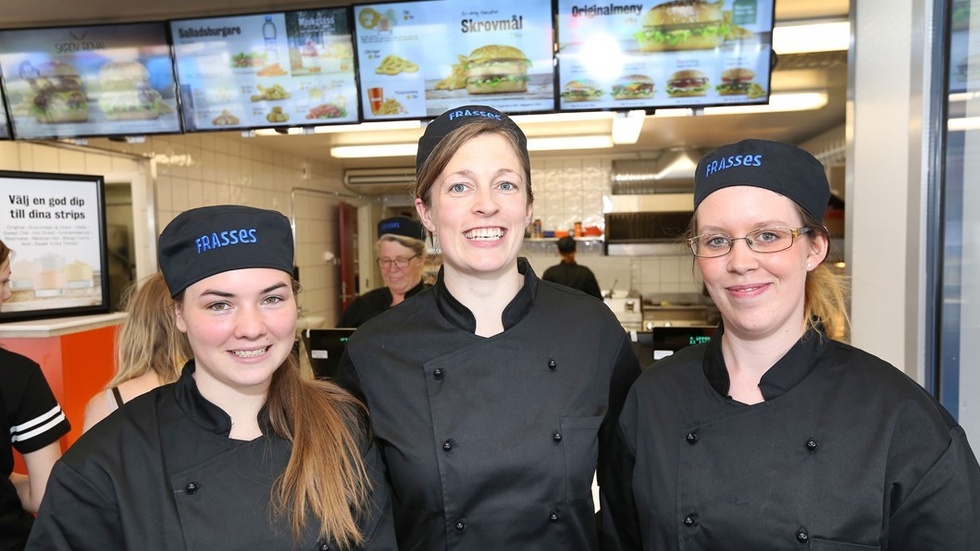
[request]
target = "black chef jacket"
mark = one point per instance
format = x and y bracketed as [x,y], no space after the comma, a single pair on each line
[845,453]
[575,276]
[371,304]
[160,473]
[491,443]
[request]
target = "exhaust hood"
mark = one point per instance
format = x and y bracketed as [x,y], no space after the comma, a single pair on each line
[380,181]
[671,172]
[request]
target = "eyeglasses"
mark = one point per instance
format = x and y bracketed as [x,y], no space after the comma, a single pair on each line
[399,263]
[766,240]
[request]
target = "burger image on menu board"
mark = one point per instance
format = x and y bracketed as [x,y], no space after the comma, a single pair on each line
[57,94]
[735,81]
[496,68]
[125,92]
[682,25]
[632,87]
[687,83]
[581,90]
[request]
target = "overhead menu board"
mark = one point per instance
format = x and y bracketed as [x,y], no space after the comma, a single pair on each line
[280,69]
[681,53]
[419,59]
[4,126]
[102,80]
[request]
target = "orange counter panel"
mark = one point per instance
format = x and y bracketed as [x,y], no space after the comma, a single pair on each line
[76,365]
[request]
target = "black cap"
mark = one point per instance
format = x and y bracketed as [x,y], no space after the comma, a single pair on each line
[566,244]
[779,167]
[401,225]
[445,123]
[205,241]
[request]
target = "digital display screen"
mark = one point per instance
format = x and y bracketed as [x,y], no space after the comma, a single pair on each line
[420,59]
[681,53]
[106,80]
[4,126]
[256,71]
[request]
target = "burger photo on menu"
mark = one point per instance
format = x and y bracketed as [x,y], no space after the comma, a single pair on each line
[682,25]
[632,87]
[125,92]
[581,90]
[735,82]
[687,83]
[57,94]
[496,68]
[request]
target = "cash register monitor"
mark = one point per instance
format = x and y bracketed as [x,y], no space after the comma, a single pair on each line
[667,340]
[660,342]
[325,348]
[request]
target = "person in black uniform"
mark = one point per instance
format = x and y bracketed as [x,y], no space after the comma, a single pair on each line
[777,435]
[34,422]
[492,392]
[401,257]
[241,452]
[569,273]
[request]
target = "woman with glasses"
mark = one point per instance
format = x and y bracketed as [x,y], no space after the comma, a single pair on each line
[401,257]
[776,434]
[492,393]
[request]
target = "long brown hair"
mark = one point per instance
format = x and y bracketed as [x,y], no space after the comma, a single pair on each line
[149,339]
[450,144]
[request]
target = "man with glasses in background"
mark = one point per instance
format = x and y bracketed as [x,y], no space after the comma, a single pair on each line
[401,257]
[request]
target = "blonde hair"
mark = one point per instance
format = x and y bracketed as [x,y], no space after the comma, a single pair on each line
[325,478]
[436,162]
[149,339]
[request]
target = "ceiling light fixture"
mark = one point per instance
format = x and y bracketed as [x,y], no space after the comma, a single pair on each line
[554,143]
[778,103]
[811,36]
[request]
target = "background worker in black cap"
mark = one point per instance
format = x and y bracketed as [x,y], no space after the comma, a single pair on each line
[571,274]
[241,452]
[491,392]
[776,436]
[401,257]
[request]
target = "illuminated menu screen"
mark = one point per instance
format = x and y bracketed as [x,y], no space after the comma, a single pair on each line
[252,71]
[89,81]
[687,53]
[4,127]
[419,59]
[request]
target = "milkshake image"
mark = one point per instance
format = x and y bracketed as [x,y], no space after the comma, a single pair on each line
[78,275]
[22,275]
[49,279]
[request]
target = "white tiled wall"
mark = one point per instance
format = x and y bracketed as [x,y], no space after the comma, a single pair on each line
[568,190]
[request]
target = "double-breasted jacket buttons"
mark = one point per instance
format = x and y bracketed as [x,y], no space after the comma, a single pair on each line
[556,436]
[447,446]
[690,521]
[460,525]
[802,536]
[552,364]
[555,516]
[437,373]
[692,438]
[811,445]
[191,488]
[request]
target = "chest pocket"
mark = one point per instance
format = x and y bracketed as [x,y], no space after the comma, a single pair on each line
[579,441]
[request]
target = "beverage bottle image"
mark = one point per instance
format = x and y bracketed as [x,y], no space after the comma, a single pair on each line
[269,34]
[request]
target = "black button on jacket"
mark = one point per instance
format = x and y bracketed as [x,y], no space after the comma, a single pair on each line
[492,443]
[846,452]
[161,474]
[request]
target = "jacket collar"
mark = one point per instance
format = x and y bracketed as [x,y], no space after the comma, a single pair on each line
[785,374]
[461,316]
[207,415]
